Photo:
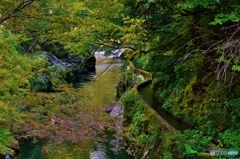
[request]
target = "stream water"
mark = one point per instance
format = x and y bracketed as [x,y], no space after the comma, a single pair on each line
[102,85]
[147,95]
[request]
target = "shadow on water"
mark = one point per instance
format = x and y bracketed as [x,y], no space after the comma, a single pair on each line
[147,95]
[29,150]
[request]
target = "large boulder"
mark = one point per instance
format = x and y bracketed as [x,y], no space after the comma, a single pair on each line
[81,64]
[74,62]
[72,70]
[75,65]
[52,59]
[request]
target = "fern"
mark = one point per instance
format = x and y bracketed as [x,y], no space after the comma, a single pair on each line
[189,150]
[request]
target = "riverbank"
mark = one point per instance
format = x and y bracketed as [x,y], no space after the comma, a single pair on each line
[150,136]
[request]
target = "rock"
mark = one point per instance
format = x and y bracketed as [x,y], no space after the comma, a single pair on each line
[116,111]
[55,61]
[74,62]
[75,65]
[81,64]
[8,157]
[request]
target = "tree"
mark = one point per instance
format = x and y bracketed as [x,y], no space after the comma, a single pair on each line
[27,29]
[13,68]
[186,45]
[10,8]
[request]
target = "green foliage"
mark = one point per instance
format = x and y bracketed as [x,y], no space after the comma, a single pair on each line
[167,155]
[143,138]
[186,144]
[189,65]
[190,4]
[132,105]
[138,123]
[196,140]
[222,18]
[127,80]
[48,78]
[15,70]
[143,62]
[14,67]
[57,75]
[235,68]
[191,46]
[9,118]
[189,150]
[230,138]
[91,27]
[40,83]
[6,141]
[144,130]
[189,68]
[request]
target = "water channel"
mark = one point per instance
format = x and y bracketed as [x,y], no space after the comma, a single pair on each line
[148,96]
[102,85]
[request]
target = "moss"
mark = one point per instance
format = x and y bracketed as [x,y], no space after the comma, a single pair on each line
[131,67]
[147,75]
[188,96]
[203,155]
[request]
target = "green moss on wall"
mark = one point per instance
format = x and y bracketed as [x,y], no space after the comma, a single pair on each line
[142,129]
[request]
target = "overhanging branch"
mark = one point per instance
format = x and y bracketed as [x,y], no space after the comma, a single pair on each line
[20,7]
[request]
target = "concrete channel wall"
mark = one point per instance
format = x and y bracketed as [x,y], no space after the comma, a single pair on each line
[161,120]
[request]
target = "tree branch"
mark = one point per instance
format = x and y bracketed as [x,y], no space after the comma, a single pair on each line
[20,7]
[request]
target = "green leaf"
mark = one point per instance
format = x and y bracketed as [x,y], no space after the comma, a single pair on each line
[189,150]
[235,68]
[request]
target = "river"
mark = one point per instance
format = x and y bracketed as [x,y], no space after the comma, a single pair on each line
[102,85]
